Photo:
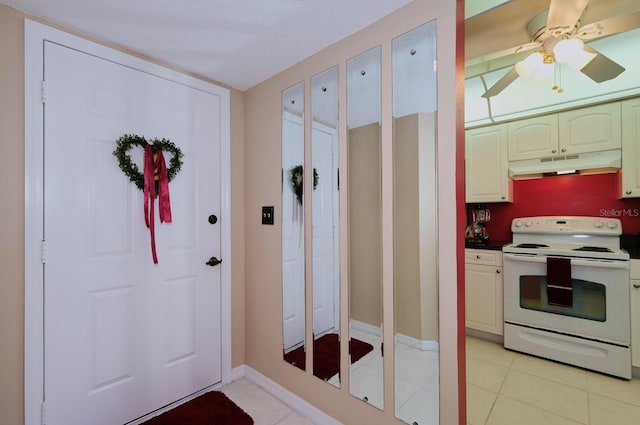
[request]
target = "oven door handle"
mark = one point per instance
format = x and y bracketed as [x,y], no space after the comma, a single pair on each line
[605,264]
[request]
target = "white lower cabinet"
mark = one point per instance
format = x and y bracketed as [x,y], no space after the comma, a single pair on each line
[483,285]
[635,313]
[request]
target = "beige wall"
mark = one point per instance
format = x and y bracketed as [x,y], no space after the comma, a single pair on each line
[12,218]
[263,258]
[408,302]
[365,250]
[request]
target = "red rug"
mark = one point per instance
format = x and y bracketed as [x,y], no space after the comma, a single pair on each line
[212,408]
[326,355]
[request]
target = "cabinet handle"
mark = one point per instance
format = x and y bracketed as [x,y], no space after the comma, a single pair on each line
[628,192]
[477,257]
[563,150]
[553,151]
[636,285]
[500,271]
[504,197]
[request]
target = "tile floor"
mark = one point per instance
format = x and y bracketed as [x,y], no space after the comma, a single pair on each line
[416,387]
[505,388]
[264,408]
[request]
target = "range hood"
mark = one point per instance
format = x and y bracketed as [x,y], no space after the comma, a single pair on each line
[584,163]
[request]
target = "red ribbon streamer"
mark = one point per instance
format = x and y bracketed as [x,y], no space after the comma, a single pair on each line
[155,166]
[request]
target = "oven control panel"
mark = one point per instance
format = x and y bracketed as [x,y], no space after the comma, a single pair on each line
[573,225]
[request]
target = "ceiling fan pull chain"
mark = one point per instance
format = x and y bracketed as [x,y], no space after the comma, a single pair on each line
[557,78]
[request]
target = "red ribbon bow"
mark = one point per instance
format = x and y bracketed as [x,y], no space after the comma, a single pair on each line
[155,168]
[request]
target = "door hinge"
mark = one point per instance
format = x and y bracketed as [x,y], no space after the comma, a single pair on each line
[43,412]
[43,91]
[43,251]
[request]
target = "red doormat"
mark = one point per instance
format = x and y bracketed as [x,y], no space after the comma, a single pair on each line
[326,355]
[212,408]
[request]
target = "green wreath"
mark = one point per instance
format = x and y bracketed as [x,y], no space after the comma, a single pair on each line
[296,178]
[131,170]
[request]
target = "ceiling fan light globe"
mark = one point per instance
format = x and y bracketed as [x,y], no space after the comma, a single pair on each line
[527,67]
[544,72]
[568,49]
[571,51]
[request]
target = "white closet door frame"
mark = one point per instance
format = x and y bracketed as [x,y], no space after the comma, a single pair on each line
[35,35]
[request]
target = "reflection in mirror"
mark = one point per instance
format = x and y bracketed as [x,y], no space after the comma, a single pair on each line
[415,230]
[325,218]
[293,295]
[365,250]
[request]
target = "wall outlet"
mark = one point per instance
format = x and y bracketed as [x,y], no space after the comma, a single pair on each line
[267,215]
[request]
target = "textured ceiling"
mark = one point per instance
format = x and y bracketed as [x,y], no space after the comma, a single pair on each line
[235,42]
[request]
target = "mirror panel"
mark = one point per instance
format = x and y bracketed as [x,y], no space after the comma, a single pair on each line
[293,238]
[415,225]
[365,249]
[325,226]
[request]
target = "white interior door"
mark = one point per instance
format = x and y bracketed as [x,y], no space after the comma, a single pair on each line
[325,230]
[292,235]
[123,336]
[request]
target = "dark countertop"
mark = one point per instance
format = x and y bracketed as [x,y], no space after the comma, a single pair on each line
[631,243]
[490,245]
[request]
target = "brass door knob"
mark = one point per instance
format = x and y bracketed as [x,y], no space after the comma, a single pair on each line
[213,261]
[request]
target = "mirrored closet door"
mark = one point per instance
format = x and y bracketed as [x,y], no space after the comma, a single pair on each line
[325,226]
[415,225]
[364,228]
[293,240]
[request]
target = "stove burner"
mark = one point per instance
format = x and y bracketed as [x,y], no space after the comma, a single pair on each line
[531,245]
[593,249]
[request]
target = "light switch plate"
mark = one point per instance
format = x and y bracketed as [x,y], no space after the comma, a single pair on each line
[267,215]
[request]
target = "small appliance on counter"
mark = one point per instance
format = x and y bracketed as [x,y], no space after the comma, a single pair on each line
[476,233]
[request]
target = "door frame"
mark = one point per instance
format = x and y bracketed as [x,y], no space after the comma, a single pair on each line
[35,36]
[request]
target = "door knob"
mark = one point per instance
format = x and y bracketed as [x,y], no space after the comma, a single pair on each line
[213,261]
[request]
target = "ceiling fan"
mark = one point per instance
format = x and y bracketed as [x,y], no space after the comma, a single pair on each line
[557,36]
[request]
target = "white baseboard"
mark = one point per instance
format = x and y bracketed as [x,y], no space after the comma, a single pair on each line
[423,345]
[238,372]
[365,327]
[297,403]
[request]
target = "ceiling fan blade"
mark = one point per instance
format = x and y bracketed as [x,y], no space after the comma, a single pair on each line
[502,83]
[610,26]
[601,68]
[564,14]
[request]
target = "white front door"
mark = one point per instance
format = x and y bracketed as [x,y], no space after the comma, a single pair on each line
[325,230]
[123,336]
[293,282]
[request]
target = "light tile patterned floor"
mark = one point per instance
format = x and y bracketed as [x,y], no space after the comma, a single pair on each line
[264,408]
[505,388]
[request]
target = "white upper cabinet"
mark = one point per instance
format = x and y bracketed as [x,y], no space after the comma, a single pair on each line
[631,151]
[592,129]
[533,138]
[486,169]
[583,130]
